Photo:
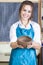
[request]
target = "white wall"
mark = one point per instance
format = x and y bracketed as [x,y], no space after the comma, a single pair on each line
[5,47]
[16,0]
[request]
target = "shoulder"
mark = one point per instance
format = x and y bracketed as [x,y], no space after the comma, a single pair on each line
[35,25]
[14,26]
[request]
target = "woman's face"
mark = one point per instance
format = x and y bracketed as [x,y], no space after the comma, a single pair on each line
[26,12]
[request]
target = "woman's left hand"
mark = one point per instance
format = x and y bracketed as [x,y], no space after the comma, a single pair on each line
[34,45]
[29,46]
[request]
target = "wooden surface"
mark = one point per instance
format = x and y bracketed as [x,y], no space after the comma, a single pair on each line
[40,57]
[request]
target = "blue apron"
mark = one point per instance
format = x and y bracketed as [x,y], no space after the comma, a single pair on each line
[23,56]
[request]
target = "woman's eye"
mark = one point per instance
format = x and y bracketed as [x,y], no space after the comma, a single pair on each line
[24,10]
[29,11]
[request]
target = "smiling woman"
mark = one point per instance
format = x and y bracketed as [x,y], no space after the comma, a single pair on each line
[25,26]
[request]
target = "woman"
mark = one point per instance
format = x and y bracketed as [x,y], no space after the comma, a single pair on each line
[25,27]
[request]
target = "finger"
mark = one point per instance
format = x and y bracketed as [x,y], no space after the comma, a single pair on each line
[20,46]
[29,46]
[30,43]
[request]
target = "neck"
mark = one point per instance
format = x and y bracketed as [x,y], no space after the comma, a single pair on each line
[25,22]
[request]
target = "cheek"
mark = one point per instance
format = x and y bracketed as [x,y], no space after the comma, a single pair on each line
[29,15]
[22,12]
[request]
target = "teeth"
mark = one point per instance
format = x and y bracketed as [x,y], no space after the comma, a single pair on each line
[25,16]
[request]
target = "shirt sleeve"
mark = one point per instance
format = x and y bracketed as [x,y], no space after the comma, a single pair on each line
[37,36]
[13,37]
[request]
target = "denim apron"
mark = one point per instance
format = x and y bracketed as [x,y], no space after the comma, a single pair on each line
[23,56]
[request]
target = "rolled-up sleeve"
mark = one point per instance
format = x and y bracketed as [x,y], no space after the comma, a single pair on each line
[37,36]
[13,37]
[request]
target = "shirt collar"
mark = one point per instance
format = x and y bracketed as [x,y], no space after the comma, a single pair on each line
[22,26]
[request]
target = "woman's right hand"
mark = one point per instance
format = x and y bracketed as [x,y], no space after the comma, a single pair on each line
[15,45]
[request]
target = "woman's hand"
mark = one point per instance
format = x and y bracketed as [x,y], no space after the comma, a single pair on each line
[29,45]
[15,45]
[20,46]
[34,45]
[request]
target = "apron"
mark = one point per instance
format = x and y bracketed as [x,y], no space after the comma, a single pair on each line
[23,56]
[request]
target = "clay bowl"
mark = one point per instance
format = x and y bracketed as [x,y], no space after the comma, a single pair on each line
[24,41]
